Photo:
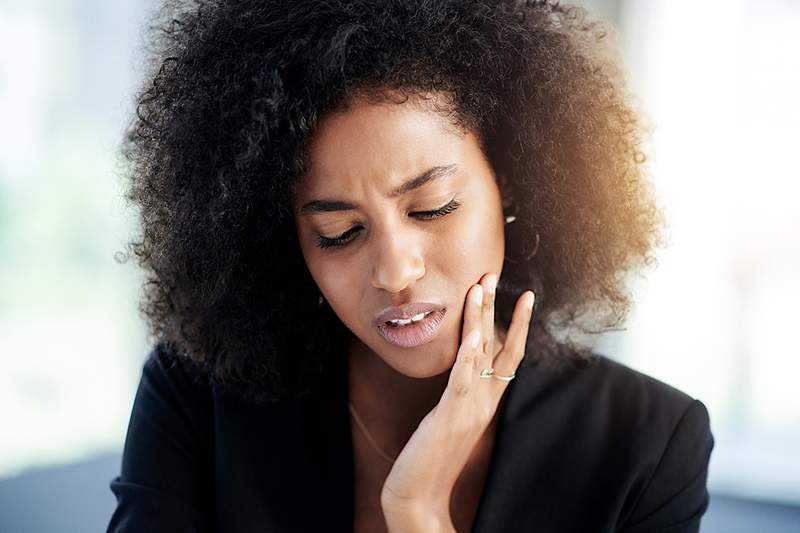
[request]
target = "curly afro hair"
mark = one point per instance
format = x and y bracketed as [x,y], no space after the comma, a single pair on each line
[234,90]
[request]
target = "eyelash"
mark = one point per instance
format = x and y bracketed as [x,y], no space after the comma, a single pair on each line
[341,240]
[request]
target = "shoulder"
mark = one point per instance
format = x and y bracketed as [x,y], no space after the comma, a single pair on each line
[164,360]
[641,399]
[164,367]
[167,447]
[660,421]
[670,432]
[173,389]
[631,411]
[602,388]
[646,442]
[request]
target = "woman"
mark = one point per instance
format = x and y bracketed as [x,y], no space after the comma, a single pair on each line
[347,211]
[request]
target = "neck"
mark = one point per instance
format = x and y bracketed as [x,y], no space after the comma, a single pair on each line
[391,404]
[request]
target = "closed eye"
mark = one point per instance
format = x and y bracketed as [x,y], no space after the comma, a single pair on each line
[446,209]
[344,238]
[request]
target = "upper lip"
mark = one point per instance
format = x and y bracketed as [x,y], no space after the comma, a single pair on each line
[405,312]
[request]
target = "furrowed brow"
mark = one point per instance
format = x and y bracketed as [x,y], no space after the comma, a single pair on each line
[433,173]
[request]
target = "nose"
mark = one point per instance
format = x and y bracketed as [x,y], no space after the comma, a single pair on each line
[398,262]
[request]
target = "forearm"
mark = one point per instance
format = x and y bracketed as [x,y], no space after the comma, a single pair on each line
[412,519]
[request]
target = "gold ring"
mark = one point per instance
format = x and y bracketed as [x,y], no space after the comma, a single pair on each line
[487,373]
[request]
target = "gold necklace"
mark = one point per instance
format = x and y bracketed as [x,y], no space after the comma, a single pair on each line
[363,428]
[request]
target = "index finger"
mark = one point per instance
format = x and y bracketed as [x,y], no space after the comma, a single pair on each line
[513,349]
[460,379]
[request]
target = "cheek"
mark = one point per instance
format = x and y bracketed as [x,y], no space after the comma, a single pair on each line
[334,280]
[473,247]
[340,282]
[323,271]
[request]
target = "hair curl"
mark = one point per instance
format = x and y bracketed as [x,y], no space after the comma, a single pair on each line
[236,87]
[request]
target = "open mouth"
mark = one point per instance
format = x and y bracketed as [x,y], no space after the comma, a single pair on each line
[414,331]
[413,320]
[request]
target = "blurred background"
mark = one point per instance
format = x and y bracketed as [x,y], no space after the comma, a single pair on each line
[719,82]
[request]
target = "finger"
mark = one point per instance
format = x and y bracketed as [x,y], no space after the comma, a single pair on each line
[464,367]
[473,317]
[487,317]
[513,350]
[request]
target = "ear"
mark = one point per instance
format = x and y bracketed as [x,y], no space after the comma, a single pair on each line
[505,190]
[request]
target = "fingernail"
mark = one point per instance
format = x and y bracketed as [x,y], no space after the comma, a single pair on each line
[491,284]
[531,300]
[477,295]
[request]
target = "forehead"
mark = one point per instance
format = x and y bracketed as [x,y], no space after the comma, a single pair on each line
[380,144]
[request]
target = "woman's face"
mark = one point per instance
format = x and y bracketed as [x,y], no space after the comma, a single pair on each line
[361,161]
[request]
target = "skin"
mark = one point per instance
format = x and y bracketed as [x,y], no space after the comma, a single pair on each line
[424,405]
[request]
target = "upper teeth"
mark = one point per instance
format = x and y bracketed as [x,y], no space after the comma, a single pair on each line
[405,321]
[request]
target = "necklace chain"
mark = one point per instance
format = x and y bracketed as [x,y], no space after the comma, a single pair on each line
[367,434]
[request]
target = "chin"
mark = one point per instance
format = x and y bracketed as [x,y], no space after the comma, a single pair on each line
[423,366]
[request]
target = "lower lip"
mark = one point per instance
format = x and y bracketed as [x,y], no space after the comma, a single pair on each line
[414,334]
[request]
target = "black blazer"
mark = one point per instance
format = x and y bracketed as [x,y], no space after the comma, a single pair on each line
[595,448]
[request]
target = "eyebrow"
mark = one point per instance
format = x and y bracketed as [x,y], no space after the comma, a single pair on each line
[433,173]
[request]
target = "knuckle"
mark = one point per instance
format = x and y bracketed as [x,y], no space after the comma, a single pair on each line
[460,389]
[470,358]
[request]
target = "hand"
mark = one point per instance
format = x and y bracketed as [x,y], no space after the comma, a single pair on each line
[425,472]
